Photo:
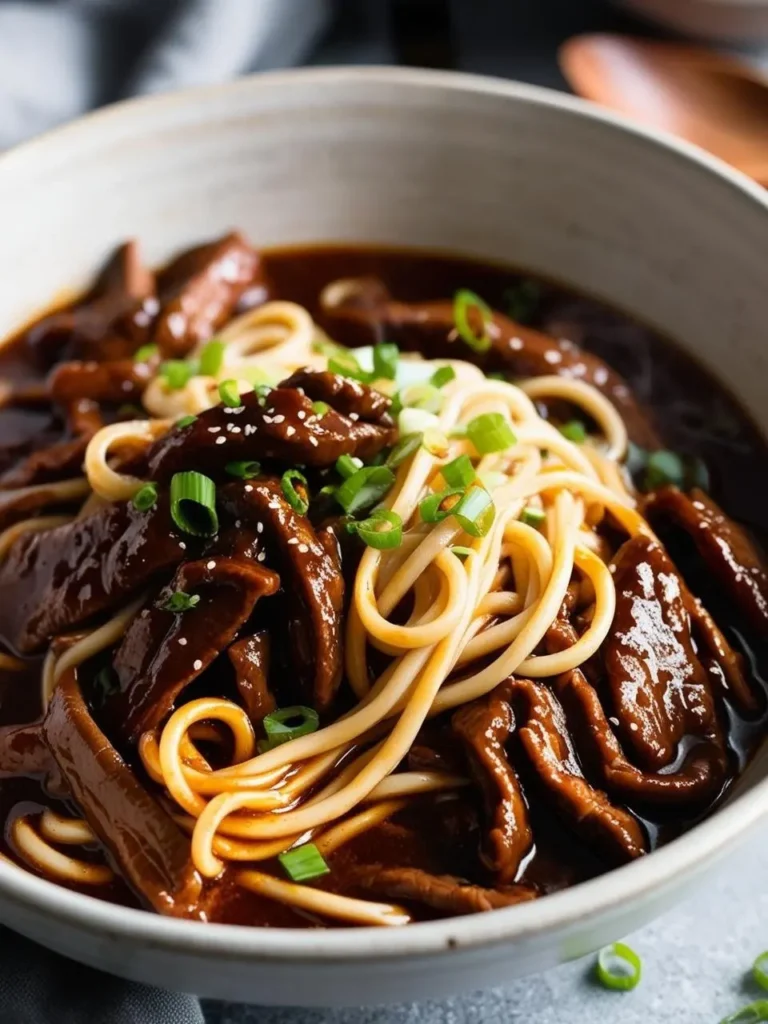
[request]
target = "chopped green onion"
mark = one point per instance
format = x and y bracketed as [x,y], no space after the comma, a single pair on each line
[574,430]
[303,863]
[754,1013]
[461,552]
[443,375]
[476,512]
[243,470]
[382,530]
[345,364]
[521,301]
[532,516]
[364,489]
[289,723]
[490,432]
[663,468]
[404,449]
[262,392]
[296,499]
[385,356]
[328,491]
[760,970]
[619,967]
[180,602]
[496,375]
[438,506]
[230,394]
[145,497]
[177,373]
[436,443]
[416,421]
[348,465]
[185,421]
[193,504]
[460,430]
[211,358]
[422,396]
[320,408]
[464,303]
[459,473]
[326,347]
[145,353]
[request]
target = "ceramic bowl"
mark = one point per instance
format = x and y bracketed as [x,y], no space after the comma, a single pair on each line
[742,21]
[394,156]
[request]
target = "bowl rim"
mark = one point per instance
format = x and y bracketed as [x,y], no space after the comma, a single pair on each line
[651,875]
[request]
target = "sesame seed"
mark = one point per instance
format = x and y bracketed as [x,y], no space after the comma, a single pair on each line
[213,430]
[293,540]
[261,556]
[235,430]
[259,527]
[268,419]
[211,565]
[290,431]
[221,440]
[303,549]
[278,419]
[313,441]
[182,545]
[248,488]
[183,641]
[354,416]
[301,414]
[197,665]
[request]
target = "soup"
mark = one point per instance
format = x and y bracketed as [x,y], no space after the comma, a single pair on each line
[359,587]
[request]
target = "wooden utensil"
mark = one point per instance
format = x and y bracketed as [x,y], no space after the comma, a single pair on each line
[712,100]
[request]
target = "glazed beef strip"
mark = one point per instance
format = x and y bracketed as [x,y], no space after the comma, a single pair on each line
[23,750]
[484,727]
[250,661]
[444,893]
[54,581]
[163,651]
[367,314]
[114,382]
[150,850]
[200,290]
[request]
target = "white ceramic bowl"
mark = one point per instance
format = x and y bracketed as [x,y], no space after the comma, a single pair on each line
[475,165]
[743,21]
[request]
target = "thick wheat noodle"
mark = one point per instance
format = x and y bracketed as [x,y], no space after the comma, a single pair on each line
[51,862]
[39,524]
[10,664]
[67,831]
[105,481]
[588,398]
[350,828]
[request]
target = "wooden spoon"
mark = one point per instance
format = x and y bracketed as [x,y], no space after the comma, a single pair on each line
[715,101]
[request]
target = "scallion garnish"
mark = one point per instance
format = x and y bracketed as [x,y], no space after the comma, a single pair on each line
[303,863]
[348,465]
[760,970]
[460,430]
[145,353]
[364,489]
[532,516]
[490,432]
[382,530]
[262,392]
[145,497]
[422,396]
[466,305]
[295,498]
[476,512]
[662,468]
[443,375]
[193,503]
[496,375]
[461,552]
[440,505]
[177,373]
[754,1013]
[185,421]
[320,408]
[211,357]
[459,473]
[345,364]
[180,602]
[403,450]
[289,723]
[619,967]
[436,443]
[243,470]
[385,356]
[574,430]
[230,394]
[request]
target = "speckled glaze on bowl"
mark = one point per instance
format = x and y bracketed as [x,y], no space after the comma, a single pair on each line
[395,156]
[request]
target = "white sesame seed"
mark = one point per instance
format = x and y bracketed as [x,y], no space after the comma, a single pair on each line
[278,419]
[249,429]
[238,524]
[354,416]
[303,549]
[235,430]
[221,440]
[313,441]
[248,488]
[213,430]
[183,641]
[268,419]
[293,540]
[301,414]
[182,545]
[211,565]
[261,556]
[290,431]
[197,665]
[259,527]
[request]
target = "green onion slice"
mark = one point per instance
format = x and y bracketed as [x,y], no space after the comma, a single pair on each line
[296,499]
[193,504]
[754,1013]
[422,396]
[404,449]
[574,430]
[382,530]
[230,394]
[345,364]
[476,512]
[289,723]
[348,465]
[364,489]
[466,305]
[145,497]
[262,392]
[461,552]
[320,408]
[619,967]
[145,353]
[443,375]
[243,470]
[459,473]
[185,421]
[760,970]
[177,373]
[180,602]
[211,357]
[303,863]
[438,506]
[490,432]
[663,468]
[385,356]
[533,516]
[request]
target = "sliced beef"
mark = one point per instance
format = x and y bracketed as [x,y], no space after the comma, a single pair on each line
[149,849]
[367,315]
[19,504]
[282,426]
[250,660]
[59,461]
[200,290]
[163,651]
[484,726]
[443,893]
[659,688]
[54,581]
[349,397]
[23,751]
[116,381]
[312,585]
[724,546]
[543,732]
